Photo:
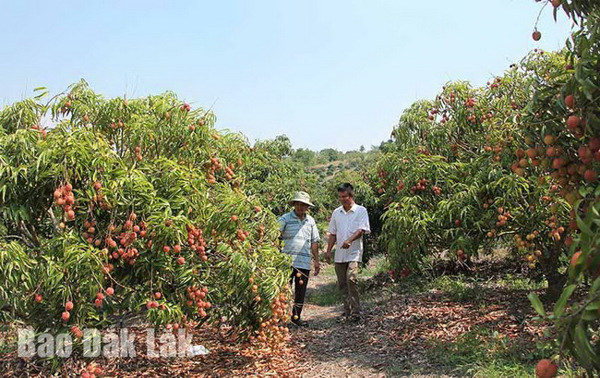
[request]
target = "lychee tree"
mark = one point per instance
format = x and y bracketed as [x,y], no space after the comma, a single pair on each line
[450,187]
[131,206]
[564,120]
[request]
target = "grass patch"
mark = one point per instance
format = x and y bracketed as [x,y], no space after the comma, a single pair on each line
[8,339]
[513,282]
[458,288]
[376,265]
[472,289]
[482,353]
[328,294]
[325,294]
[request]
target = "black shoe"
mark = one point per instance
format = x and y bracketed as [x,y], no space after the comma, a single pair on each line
[300,322]
[342,318]
[356,318]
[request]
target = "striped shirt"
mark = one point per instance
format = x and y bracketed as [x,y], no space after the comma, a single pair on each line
[298,235]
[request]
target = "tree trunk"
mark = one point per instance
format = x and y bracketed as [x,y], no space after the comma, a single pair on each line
[549,264]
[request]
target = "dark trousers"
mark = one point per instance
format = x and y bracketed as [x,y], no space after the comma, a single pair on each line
[299,290]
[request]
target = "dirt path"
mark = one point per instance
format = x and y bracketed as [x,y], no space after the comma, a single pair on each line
[333,348]
[362,349]
[395,337]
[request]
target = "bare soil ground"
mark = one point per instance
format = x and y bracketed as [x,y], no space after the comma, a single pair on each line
[392,340]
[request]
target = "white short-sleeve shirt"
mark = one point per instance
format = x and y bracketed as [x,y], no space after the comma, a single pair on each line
[344,224]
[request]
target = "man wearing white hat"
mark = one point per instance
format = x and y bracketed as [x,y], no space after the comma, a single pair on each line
[300,238]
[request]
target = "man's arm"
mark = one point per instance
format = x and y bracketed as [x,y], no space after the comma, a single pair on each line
[314,248]
[282,223]
[279,240]
[330,243]
[355,236]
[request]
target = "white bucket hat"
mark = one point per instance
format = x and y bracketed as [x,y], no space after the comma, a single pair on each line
[301,197]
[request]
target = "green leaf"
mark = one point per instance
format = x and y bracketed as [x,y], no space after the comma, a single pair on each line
[595,286]
[536,303]
[559,307]
[585,354]
[583,226]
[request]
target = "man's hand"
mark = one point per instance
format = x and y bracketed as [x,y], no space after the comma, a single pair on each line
[317,267]
[328,257]
[346,244]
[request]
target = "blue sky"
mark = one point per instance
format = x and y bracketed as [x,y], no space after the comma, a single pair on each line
[327,73]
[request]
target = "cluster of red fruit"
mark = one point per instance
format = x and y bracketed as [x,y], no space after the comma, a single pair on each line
[422,186]
[154,303]
[400,185]
[565,170]
[197,298]
[229,174]
[470,102]
[186,107]
[497,149]
[98,197]
[261,231]
[138,153]
[211,167]
[63,196]
[119,124]
[555,230]
[423,151]
[192,127]
[89,230]
[434,112]
[77,332]
[196,241]
[92,371]
[272,332]
[473,118]
[176,250]
[107,268]
[529,247]
[495,84]
[254,289]
[100,297]
[242,234]
[451,98]
[66,315]
[67,105]
[38,128]
[175,326]
[503,216]
[461,255]
[130,233]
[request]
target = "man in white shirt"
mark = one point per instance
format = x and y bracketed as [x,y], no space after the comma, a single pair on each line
[347,225]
